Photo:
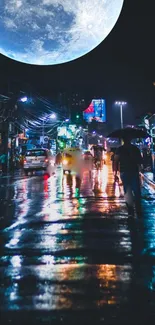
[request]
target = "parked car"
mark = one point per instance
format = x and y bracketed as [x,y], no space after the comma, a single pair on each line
[38,159]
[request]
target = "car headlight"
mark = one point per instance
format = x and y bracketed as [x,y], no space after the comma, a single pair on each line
[65,162]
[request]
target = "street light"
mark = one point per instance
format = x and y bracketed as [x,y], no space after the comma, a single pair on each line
[52,116]
[121,104]
[23,99]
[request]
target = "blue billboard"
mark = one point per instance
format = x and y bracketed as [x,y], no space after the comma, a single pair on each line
[96,111]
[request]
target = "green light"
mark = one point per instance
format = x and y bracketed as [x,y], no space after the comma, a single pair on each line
[77,116]
[61,144]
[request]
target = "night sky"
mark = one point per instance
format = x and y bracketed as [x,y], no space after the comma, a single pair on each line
[120,68]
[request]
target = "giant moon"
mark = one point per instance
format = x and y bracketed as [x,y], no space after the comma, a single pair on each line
[48,32]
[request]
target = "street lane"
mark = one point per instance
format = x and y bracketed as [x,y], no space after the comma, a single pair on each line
[69,253]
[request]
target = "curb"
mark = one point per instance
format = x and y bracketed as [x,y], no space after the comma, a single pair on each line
[148,181]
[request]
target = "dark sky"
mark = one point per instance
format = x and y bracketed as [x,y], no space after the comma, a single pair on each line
[120,68]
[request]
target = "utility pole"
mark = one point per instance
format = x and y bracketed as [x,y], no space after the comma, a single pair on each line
[11,108]
[43,130]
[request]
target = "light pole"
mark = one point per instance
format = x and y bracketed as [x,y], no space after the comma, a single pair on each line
[50,116]
[121,104]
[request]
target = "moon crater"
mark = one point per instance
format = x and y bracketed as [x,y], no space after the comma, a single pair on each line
[48,32]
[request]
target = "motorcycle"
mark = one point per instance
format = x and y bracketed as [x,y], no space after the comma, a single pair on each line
[98,164]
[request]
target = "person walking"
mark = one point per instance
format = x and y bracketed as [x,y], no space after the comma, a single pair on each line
[113,161]
[116,178]
[128,160]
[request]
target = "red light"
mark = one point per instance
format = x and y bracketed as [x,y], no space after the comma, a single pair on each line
[46,176]
[46,160]
[46,186]
[25,161]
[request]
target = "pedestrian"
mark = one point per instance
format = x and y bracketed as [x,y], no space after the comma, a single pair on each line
[128,160]
[58,158]
[116,178]
[113,161]
[98,157]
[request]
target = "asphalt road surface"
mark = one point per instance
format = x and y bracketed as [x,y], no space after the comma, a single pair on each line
[70,255]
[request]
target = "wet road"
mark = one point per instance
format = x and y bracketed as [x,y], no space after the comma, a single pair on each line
[70,255]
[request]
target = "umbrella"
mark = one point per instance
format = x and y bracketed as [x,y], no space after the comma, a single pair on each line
[132,133]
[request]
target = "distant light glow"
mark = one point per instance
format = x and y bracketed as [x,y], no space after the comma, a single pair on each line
[52,116]
[23,99]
